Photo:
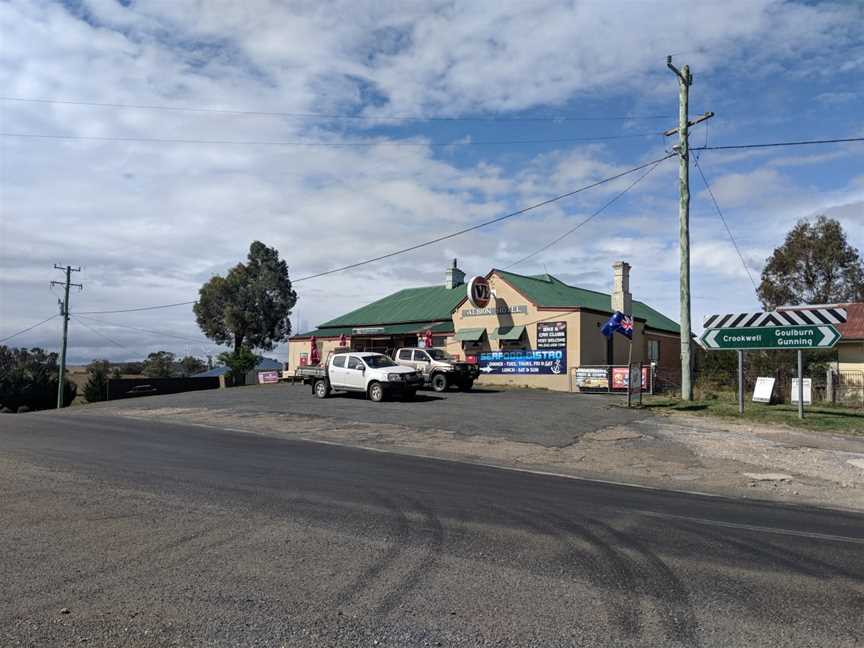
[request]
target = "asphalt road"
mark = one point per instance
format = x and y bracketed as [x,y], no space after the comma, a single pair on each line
[120,532]
[537,416]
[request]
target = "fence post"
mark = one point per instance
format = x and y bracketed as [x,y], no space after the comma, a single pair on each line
[829,385]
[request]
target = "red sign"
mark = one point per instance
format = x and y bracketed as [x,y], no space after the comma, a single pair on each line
[620,379]
[479,292]
[471,359]
[268,377]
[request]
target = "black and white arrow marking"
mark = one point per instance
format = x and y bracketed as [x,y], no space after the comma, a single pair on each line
[797,317]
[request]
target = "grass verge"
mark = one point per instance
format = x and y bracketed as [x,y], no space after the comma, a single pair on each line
[826,418]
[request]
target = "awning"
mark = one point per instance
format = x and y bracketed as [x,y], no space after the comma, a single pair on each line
[507,333]
[470,334]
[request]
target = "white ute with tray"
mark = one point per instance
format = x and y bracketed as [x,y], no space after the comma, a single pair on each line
[372,373]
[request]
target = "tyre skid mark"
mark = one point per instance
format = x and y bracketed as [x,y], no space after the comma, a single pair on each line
[395,548]
[622,618]
[656,580]
[432,541]
[609,570]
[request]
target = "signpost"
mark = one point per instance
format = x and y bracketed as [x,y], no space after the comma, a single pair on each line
[771,337]
[792,329]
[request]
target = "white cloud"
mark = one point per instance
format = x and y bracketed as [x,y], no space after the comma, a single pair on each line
[150,222]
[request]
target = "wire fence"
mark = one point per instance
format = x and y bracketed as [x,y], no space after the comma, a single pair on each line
[827,385]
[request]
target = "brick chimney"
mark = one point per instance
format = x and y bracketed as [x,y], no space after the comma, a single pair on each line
[454,277]
[622,300]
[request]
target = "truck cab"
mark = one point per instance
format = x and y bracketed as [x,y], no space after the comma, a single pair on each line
[438,368]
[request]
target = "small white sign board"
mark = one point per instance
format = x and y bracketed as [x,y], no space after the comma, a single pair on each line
[808,387]
[763,390]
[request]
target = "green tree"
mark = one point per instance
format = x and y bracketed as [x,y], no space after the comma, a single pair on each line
[28,378]
[159,365]
[190,365]
[238,363]
[251,305]
[815,265]
[96,388]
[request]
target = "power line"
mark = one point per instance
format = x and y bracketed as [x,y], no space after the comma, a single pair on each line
[725,224]
[774,144]
[586,220]
[29,328]
[483,224]
[387,142]
[136,328]
[102,335]
[267,113]
[133,310]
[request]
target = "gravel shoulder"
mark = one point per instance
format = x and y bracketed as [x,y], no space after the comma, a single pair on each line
[680,452]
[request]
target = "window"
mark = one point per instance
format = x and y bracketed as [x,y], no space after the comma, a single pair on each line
[420,356]
[354,362]
[438,354]
[339,361]
[654,350]
[378,361]
[405,354]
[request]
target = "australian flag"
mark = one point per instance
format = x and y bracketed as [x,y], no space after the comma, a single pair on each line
[619,322]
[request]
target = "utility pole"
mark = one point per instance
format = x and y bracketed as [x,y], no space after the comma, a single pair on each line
[685,80]
[64,311]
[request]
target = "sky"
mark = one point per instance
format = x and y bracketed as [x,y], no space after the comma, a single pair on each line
[340,131]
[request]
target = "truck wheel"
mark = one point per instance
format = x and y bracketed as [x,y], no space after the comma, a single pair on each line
[376,392]
[321,389]
[466,385]
[439,382]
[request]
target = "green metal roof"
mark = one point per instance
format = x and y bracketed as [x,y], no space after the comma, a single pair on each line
[417,309]
[507,333]
[429,304]
[469,334]
[385,329]
[548,292]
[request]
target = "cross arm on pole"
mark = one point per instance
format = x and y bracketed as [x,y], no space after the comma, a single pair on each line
[701,118]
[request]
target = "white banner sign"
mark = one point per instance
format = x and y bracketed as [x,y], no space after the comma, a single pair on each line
[808,391]
[763,390]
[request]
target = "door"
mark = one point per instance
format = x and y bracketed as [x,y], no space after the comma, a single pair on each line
[404,358]
[355,374]
[337,371]
[422,361]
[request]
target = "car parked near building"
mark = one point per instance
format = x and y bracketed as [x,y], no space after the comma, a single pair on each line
[438,368]
[372,373]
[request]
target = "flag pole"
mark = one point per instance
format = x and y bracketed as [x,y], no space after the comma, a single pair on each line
[630,372]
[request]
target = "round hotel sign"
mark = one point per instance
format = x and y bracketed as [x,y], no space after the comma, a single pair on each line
[479,292]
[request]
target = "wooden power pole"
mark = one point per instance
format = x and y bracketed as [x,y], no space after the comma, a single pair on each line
[685,80]
[64,311]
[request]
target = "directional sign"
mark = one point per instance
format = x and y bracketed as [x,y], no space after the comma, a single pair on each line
[771,337]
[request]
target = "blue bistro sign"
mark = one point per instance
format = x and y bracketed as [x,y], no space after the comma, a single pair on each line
[549,362]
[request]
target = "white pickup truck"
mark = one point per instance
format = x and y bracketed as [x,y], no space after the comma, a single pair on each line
[373,373]
[437,368]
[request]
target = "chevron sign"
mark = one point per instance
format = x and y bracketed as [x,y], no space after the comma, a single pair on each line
[804,316]
[771,337]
